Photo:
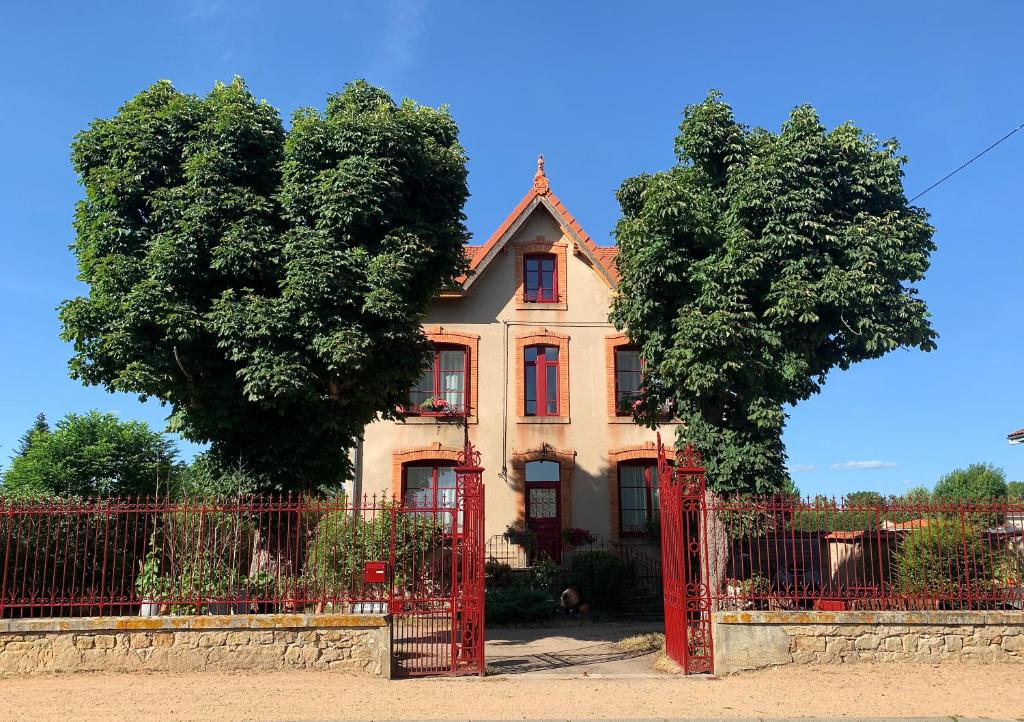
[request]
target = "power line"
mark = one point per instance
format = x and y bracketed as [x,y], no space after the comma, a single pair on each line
[953,173]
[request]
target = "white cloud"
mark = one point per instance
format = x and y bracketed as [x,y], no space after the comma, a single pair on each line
[801,468]
[396,46]
[864,465]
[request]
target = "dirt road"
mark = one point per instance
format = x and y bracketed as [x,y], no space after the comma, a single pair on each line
[856,690]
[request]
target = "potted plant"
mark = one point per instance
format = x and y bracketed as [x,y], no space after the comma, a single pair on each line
[574,536]
[434,405]
[520,537]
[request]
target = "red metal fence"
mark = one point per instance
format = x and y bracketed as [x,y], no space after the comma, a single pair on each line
[838,554]
[863,553]
[422,564]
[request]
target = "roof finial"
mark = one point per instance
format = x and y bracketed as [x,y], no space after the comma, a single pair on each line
[540,181]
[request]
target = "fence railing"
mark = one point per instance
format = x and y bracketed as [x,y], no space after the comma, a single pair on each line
[142,556]
[644,565]
[828,554]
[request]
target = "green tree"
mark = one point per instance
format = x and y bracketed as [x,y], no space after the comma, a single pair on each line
[757,264]
[1015,489]
[977,481]
[268,285]
[40,426]
[92,454]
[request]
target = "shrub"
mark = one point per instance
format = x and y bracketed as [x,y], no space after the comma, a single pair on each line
[497,574]
[600,577]
[545,574]
[197,555]
[91,455]
[976,482]
[341,544]
[941,560]
[518,605]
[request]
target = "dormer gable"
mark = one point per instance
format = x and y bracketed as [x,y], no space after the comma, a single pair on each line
[540,199]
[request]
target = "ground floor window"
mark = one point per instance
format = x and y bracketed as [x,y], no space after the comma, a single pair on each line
[430,486]
[638,498]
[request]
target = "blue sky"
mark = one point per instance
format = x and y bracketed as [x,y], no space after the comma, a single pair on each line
[598,87]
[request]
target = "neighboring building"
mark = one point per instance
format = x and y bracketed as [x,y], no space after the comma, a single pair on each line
[1017,437]
[525,349]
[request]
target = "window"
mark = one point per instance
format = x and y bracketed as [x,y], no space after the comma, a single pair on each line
[638,498]
[430,485]
[541,381]
[628,379]
[441,389]
[540,278]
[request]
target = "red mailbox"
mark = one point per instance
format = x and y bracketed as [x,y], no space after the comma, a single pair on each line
[375,572]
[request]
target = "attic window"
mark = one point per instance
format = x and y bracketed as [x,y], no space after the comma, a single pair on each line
[540,278]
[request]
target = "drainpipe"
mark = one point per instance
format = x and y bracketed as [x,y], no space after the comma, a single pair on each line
[357,476]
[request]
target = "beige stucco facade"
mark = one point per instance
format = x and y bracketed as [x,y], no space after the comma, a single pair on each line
[491,317]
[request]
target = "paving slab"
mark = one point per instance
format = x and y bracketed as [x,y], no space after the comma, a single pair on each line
[588,650]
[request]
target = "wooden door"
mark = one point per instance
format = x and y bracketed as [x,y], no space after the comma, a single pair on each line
[542,518]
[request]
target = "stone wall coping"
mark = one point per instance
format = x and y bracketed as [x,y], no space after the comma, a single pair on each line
[931,618]
[203,622]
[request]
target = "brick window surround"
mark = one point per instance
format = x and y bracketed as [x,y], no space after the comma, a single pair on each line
[543,337]
[401,457]
[611,343]
[469,341]
[541,245]
[566,464]
[639,452]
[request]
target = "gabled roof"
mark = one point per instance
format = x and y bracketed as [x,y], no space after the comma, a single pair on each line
[602,258]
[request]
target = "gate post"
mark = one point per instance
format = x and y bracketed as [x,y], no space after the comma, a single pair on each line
[468,607]
[685,576]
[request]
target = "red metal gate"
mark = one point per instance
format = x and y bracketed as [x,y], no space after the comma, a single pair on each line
[438,624]
[684,564]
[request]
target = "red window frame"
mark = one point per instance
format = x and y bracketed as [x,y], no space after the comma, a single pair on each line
[540,293]
[652,511]
[435,508]
[620,396]
[437,391]
[538,367]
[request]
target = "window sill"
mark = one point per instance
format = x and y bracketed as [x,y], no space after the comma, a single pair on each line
[631,420]
[438,420]
[527,306]
[543,420]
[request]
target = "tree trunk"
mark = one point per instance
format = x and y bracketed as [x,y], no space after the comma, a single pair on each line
[715,548]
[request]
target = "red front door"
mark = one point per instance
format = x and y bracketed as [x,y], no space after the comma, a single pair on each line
[542,518]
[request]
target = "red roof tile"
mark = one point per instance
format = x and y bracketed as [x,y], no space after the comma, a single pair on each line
[1017,435]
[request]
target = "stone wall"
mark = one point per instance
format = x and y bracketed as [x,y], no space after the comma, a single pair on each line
[751,640]
[350,643]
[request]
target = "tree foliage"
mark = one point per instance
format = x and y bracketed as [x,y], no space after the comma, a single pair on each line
[757,264]
[39,426]
[93,454]
[976,482]
[267,284]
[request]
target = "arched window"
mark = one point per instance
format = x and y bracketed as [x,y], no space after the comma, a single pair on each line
[442,389]
[540,382]
[540,278]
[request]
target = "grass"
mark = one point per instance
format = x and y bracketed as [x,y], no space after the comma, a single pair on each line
[650,642]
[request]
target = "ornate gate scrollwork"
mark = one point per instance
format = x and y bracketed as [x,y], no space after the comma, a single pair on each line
[683,504]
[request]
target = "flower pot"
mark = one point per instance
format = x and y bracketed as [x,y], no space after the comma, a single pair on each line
[149,608]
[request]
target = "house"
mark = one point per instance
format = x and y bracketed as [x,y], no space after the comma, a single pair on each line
[524,355]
